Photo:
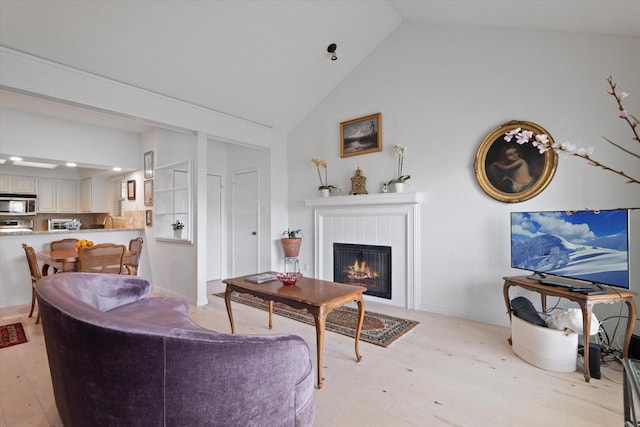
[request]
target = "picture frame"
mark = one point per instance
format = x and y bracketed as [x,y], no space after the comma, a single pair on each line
[148,216]
[508,180]
[148,192]
[131,189]
[361,136]
[148,164]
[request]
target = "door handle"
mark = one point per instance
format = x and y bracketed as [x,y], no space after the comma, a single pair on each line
[253,233]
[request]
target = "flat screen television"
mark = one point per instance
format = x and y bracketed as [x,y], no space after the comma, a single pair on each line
[591,246]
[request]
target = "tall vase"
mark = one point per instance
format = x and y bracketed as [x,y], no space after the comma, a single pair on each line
[324,192]
[398,187]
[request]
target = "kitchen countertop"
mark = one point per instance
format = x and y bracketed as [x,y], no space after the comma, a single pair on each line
[82,230]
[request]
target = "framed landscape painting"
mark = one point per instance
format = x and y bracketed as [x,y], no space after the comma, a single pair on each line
[361,136]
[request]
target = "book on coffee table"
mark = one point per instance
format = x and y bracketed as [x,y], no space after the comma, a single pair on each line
[262,278]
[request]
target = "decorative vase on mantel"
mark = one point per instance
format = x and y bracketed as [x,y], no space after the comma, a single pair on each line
[291,247]
[324,192]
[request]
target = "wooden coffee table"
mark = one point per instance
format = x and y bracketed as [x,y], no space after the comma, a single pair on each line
[318,297]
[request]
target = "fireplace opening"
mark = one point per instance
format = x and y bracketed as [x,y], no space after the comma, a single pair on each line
[363,265]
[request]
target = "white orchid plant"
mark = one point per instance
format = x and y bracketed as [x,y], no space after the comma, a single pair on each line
[566,149]
[400,151]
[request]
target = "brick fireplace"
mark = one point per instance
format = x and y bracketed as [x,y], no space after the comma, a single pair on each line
[387,220]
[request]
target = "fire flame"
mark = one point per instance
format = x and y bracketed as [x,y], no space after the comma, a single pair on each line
[360,270]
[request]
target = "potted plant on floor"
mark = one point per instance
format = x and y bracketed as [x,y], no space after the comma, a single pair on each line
[291,243]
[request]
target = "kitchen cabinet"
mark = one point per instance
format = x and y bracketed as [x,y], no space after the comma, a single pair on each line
[94,193]
[57,195]
[47,195]
[67,198]
[17,184]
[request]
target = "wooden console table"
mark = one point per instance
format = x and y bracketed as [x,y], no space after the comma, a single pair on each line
[586,303]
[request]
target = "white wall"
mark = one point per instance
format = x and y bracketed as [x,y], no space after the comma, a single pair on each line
[441,90]
[33,135]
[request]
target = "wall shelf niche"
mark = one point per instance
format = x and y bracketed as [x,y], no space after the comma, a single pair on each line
[172,201]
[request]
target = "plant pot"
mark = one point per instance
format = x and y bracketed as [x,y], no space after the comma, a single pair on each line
[324,192]
[291,247]
[398,187]
[177,234]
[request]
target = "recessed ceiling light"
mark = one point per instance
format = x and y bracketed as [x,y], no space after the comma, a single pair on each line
[15,159]
[117,169]
[71,164]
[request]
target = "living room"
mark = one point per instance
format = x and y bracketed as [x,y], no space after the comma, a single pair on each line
[440,89]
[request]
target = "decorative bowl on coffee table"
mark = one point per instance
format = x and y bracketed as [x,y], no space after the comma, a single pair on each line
[289,279]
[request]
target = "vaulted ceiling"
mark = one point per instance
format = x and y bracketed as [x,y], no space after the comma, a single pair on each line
[265,61]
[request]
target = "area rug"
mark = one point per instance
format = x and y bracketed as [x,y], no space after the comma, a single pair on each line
[378,329]
[12,335]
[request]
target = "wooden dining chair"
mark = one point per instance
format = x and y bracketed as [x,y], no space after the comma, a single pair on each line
[135,247]
[35,276]
[102,258]
[62,245]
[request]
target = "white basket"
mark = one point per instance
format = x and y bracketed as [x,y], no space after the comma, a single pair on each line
[546,348]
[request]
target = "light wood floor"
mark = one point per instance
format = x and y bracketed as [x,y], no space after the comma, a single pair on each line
[445,372]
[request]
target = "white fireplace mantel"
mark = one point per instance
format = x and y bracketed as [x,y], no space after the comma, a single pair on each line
[367,199]
[387,219]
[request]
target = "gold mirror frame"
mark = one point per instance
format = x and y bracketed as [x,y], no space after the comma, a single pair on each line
[504,185]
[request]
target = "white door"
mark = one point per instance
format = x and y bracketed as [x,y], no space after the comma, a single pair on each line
[214,227]
[244,217]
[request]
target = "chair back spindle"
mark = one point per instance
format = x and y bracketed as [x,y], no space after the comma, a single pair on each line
[102,258]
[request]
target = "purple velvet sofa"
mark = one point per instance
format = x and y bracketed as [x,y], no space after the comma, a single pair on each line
[120,359]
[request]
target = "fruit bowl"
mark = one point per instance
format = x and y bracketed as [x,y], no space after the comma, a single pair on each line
[289,279]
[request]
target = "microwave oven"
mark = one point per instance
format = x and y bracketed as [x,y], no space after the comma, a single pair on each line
[17,204]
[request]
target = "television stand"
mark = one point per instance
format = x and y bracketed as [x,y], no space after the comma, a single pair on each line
[586,303]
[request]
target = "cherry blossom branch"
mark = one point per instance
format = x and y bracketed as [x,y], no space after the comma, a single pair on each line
[542,143]
[623,112]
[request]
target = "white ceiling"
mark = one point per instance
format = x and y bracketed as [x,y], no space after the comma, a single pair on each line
[262,60]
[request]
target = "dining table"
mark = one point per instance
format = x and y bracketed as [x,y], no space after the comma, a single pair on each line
[68,259]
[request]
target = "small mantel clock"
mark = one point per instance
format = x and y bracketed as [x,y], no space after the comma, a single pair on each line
[358,183]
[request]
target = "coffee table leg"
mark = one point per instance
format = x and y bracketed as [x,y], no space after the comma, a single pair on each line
[360,303]
[270,314]
[320,324]
[227,301]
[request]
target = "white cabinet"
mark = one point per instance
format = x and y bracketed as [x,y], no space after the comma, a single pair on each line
[67,199]
[57,195]
[172,201]
[93,194]
[17,184]
[6,184]
[24,184]
[47,199]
